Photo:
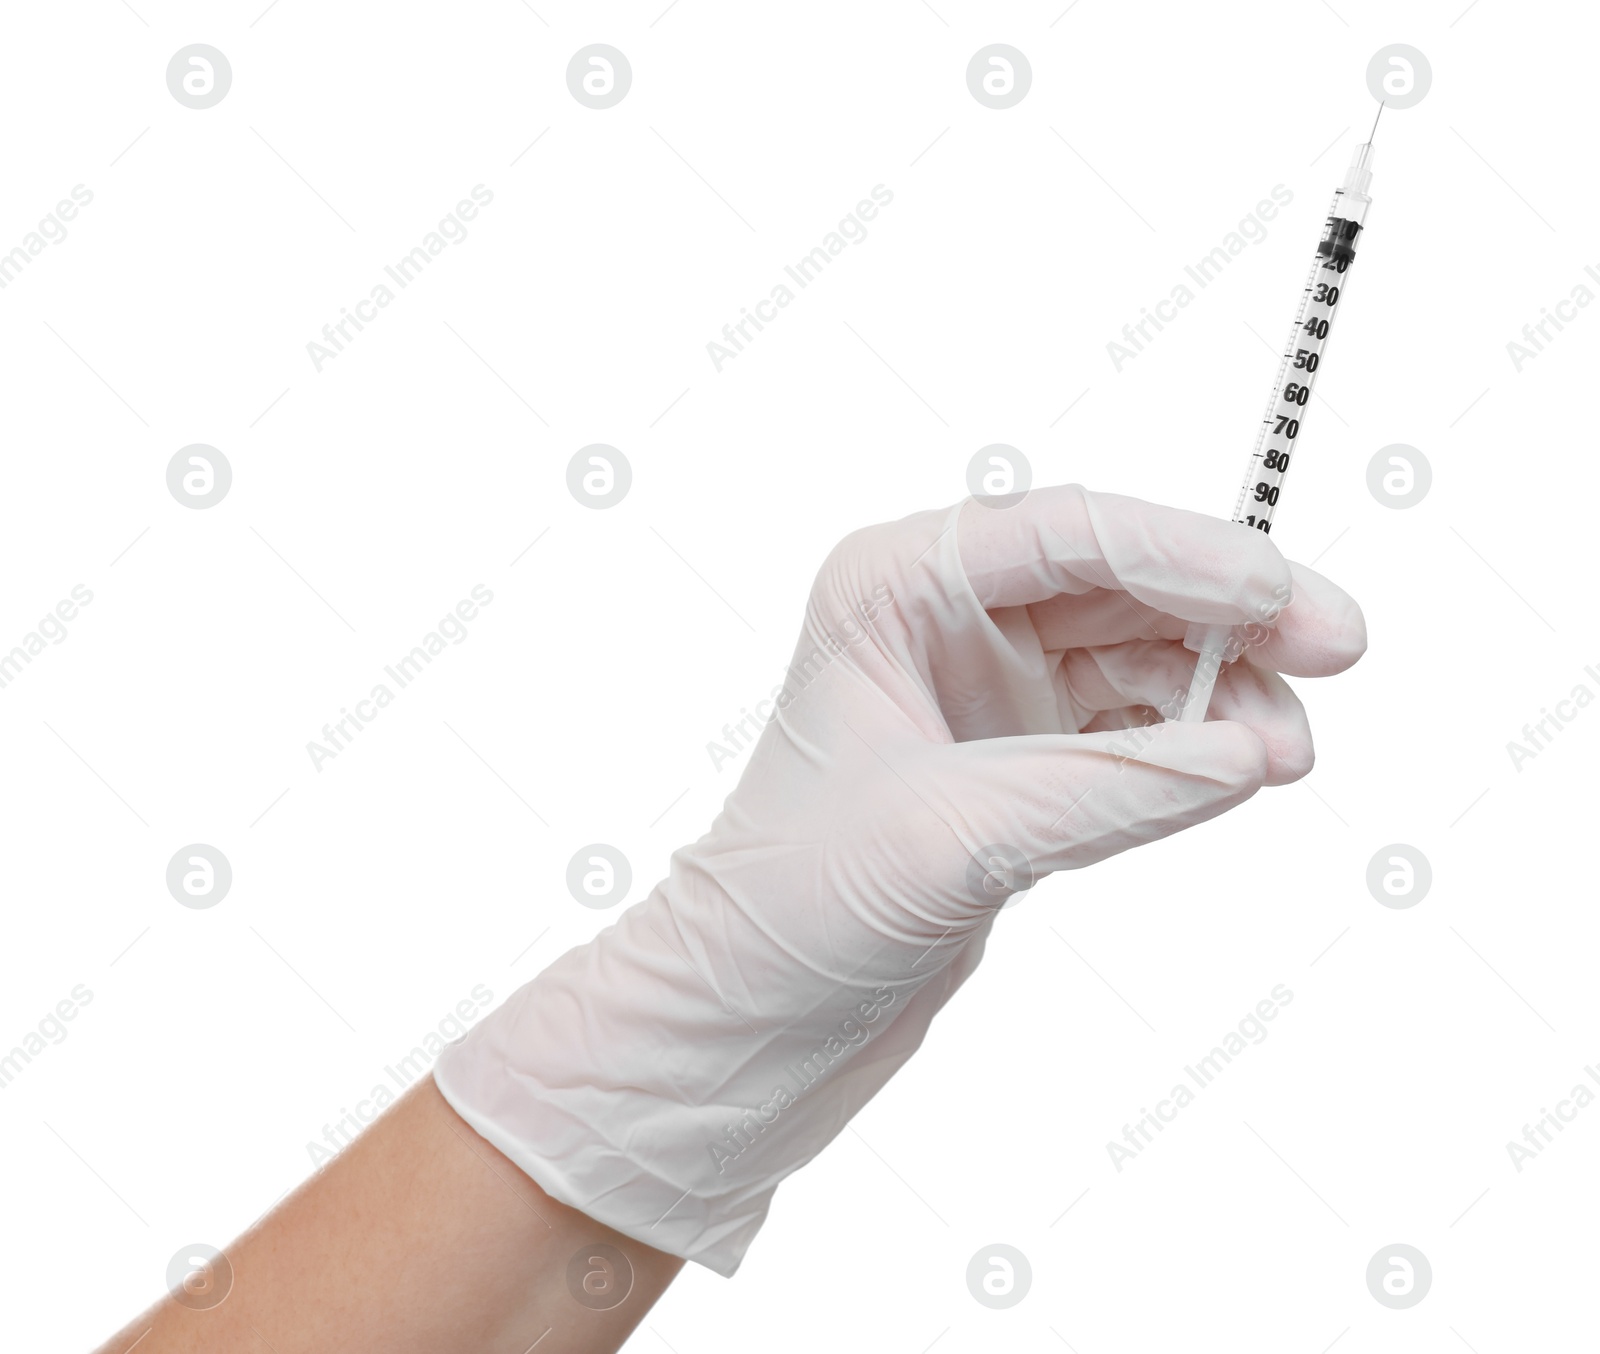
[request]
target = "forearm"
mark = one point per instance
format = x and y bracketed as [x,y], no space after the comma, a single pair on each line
[421,1238]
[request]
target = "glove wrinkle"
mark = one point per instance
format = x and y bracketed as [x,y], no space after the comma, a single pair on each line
[969,685]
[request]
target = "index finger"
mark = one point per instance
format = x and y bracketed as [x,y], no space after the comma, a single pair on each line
[1065,539]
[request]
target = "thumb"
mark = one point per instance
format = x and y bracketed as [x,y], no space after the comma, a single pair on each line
[1063,801]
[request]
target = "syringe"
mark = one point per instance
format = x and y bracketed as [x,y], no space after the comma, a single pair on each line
[1288,403]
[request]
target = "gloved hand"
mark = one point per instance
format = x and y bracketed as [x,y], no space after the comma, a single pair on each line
[955,724]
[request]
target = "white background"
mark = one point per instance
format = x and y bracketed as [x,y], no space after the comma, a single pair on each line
[372,895]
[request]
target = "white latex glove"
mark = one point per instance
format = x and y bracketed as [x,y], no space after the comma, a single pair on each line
[955,720]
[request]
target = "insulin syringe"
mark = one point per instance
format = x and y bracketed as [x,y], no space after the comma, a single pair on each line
[1287,406]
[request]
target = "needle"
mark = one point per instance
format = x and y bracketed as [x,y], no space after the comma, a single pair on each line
[1381,107]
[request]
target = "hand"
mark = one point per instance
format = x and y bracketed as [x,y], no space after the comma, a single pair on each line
[970,708]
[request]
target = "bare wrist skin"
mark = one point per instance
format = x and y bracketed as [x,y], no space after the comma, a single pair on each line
[420,1238]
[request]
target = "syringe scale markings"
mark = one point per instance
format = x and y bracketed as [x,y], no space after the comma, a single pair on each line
[1336,251]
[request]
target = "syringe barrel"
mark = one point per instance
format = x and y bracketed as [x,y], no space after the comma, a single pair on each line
[1305,347]
[1277,437]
